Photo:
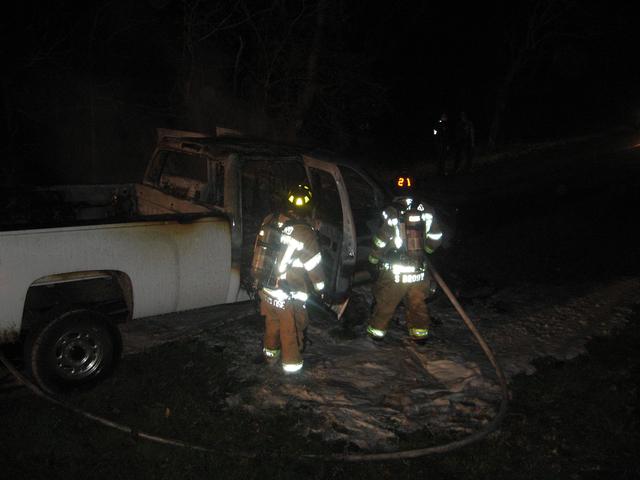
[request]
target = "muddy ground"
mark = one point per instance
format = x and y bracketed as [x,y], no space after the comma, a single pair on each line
[549,272]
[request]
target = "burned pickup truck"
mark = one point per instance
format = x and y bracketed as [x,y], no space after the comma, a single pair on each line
[76,261]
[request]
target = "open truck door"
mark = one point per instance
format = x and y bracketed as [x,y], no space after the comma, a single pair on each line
[367,202]
[335,225]
[264,180]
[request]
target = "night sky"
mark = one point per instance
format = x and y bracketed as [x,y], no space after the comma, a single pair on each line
[86,83]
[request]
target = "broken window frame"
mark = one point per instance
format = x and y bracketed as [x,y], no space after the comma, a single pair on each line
[211,193]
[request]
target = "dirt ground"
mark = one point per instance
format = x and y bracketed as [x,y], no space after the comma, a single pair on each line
[574,419]
[549,274]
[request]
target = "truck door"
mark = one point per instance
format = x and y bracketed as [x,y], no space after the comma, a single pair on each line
[334,222]
[265,181]
[367,202]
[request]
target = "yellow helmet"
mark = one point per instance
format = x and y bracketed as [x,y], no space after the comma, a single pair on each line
[299,196]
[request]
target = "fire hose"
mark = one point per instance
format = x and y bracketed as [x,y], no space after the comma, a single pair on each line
[350,457]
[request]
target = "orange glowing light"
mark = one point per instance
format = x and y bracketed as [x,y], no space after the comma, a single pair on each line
[404,182]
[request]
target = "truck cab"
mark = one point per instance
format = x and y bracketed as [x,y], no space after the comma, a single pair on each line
[248,179]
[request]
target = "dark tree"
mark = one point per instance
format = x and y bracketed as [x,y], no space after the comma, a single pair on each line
[530,28]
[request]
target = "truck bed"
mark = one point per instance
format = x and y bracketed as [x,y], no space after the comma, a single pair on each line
[170,265]
[70,205]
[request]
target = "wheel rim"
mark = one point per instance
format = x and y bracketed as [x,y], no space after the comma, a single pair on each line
[79,354]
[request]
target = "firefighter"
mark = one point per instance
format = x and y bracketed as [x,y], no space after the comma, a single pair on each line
[441,142]
[465,143]
[286,263]
[409,231]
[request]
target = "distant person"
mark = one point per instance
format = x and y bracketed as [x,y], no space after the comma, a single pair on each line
[441,142]
[465,143]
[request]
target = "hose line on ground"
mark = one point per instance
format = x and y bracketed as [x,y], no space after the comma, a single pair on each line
[447,447]
[350,457]
[97,418]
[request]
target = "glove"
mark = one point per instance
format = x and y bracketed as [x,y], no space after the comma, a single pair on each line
[326,298]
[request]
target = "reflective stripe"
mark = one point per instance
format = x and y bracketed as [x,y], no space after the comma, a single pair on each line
[408,277]
[413,277]
[271,353]
[262,233]
[384,215]
[313,262]
[279,294]
[434,236]
[418,332]
[286,258]
[398,268]
[375,332]
[406,273]
[392,222]
[435,132]
[282,295]
[373,260]
[297,263]
[292,246]
[378,242]
[414,218]
[287,239]
[319,286]
[292,367]
[302,296]
[428,220]
[274,302]
[398,240]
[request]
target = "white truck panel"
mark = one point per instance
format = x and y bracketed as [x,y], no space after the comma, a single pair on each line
[172,266]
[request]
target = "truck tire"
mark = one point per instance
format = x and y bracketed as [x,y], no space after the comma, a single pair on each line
[77,348]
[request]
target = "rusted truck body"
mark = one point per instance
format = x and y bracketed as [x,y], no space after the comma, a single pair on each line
[88,257]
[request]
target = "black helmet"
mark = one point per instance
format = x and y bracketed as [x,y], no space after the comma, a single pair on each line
[300,197]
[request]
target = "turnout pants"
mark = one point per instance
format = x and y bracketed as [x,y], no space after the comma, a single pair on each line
[284,330]
[389,294]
